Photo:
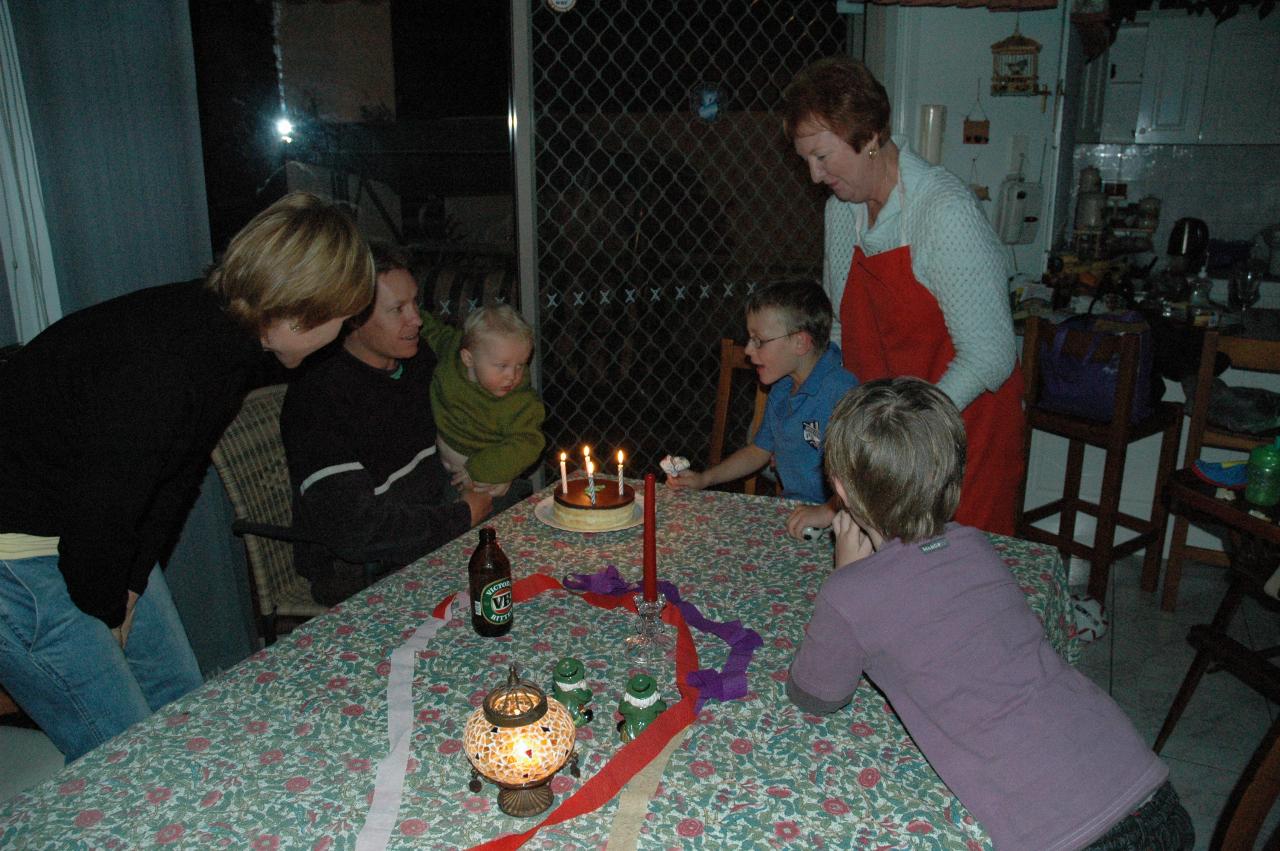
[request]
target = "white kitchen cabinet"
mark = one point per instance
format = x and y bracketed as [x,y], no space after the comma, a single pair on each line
[1242,94]
[1175,78]
[1176,66]
[1123,91]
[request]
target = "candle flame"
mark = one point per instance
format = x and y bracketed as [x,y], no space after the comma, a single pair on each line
[564,456]
[619,456]
[591,468]
[586,452]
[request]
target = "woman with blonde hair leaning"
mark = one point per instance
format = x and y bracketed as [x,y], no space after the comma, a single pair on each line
[916,276]
[106,426]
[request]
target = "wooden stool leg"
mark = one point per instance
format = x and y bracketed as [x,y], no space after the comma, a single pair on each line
[1070,496]
[1173,567]
[1105,534]
[1221,620]
[1160,507]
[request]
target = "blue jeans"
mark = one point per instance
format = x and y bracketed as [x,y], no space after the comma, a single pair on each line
[67,670]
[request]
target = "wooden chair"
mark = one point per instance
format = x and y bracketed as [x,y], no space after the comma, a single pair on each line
[1255,558]
[1244,353]
[250,460]
[733,358]
[1113,437]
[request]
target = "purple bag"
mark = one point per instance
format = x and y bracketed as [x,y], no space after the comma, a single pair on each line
[1084,383]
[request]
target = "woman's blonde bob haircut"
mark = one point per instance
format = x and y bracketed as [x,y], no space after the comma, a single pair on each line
[897,447]
[301,259]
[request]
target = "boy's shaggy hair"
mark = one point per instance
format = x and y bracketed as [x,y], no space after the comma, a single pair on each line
[897,446]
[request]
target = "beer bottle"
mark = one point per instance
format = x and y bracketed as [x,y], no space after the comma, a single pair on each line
[489,578]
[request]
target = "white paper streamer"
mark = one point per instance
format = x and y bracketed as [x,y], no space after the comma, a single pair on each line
[389,784]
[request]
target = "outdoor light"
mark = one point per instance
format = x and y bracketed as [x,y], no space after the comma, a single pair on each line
[284,127]
[517,740]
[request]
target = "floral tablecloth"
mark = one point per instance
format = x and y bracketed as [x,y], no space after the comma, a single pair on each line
[280,751]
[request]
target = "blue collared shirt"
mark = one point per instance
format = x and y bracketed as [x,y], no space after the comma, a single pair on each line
[794,425]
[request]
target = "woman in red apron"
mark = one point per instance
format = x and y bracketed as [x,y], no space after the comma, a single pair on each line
[892,324]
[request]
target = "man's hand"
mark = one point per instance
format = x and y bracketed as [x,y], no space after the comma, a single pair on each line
[817,516]
[852,542]
[494,489]
[480,503]
[121,632]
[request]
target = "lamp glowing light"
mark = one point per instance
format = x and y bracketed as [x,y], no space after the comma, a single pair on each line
[284,128]
[517,740]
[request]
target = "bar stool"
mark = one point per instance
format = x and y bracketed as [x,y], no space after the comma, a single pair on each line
[1113,437]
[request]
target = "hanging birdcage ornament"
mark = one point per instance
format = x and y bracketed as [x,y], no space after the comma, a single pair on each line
[1015,66]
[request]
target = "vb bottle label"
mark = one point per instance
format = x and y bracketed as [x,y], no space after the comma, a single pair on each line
[495,601]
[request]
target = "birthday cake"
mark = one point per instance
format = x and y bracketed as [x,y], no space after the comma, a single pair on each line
[575,510]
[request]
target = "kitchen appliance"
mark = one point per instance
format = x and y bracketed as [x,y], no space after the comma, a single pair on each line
[1188,245]
[1018,210]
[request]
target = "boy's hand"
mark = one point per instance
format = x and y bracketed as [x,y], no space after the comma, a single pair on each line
[817,516]
[461,480]
[852,543]
[688,480]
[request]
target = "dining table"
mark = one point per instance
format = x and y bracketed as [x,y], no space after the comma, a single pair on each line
[290,748]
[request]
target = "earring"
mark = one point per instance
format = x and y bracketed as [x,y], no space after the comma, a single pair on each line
[872,153]
[294,326]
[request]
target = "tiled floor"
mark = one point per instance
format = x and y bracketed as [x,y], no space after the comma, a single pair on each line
[1141,662]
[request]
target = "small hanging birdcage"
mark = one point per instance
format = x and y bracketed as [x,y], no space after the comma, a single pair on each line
[1015,65]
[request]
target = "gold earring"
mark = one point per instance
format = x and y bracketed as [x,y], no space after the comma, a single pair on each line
[294,326]
[872,153]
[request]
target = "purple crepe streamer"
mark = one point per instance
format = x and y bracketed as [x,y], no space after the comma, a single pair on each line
[730,682]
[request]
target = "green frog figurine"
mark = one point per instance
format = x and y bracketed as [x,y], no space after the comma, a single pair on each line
[570,688]
[640,704]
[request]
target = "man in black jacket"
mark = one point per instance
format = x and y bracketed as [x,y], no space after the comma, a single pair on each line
[361,441]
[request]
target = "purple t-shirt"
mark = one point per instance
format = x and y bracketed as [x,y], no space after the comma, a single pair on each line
[1042,757]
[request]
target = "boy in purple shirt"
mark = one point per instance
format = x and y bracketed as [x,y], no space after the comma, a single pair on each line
[928,611]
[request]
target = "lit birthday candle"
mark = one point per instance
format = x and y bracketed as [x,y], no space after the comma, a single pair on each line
[591,481]
[564,473]
[619,472]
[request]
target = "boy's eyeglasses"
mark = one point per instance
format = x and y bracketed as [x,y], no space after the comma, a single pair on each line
[757,343]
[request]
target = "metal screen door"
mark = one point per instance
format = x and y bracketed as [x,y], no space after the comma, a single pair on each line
[665,191]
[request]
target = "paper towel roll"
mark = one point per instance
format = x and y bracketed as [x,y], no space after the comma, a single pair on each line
[933,123]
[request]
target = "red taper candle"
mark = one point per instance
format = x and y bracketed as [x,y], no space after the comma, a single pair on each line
[650,538]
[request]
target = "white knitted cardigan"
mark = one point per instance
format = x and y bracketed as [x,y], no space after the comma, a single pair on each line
[954,254]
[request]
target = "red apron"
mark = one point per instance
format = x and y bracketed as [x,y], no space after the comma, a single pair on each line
[892,326]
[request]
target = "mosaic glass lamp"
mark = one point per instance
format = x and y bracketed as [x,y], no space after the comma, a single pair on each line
[517,740]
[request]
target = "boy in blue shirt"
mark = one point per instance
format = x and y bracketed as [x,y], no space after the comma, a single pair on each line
[789,328]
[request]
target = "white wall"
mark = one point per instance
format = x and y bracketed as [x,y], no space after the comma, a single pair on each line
[942,55]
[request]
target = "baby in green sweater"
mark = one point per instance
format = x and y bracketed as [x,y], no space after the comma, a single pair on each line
[488,417]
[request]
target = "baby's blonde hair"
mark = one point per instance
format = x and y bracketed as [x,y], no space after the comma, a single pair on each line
[497,320]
